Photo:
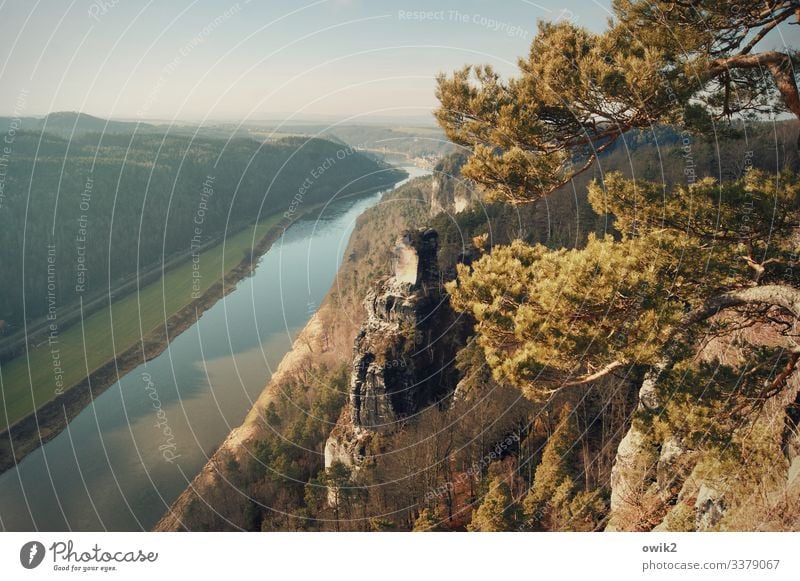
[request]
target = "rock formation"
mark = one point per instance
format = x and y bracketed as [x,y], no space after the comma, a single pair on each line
[403,356]
[450,192]
[661,483]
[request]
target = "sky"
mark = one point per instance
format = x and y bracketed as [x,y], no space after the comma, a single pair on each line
[203,60]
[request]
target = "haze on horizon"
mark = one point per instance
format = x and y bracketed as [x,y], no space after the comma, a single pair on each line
[201,60]
[197,60]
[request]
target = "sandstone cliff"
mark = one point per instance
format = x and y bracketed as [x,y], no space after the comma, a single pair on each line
[404,353]
[662,481]
[327,339]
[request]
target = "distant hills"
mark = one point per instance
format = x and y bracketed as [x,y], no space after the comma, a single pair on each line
[138,196]
[405,141]
[66,123]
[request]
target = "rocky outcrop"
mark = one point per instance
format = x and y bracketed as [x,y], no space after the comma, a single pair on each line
[660,483]
[404,354]
[395,341]
[346,444]
[450,192]
[634,472]
[709,507]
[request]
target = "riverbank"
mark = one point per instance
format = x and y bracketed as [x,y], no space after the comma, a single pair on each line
[35,429]
[38,331]
[325,341]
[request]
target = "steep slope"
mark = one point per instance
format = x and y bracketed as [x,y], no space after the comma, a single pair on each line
[666,478]
[326,341]
[265,475]
[364,428]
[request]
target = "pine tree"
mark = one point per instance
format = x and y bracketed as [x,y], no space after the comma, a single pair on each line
[553,319]
[428,521]
[552,482]
[683,265]
[695,64]
[498,512]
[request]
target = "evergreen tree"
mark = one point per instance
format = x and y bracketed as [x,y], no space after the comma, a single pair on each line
[498,512]
[694,64]
[428,521]
[556,468]
[686,261]
[553,319]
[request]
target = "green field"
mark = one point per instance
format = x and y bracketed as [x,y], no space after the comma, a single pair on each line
[28,383]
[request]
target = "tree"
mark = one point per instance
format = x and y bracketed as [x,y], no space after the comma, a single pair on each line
[556,467]
[498,511]
[554,502]
[428,521]
[550,319]
[338,480]
[686,262]
[691,63]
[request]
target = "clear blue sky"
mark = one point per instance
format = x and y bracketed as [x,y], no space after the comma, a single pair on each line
[196,59]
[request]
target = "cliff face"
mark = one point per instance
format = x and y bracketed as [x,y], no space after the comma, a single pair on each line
[345,326]
[661,481]
[403,356]
[663,484]
[450,192]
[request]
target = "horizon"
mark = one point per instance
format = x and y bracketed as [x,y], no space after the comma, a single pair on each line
[269,118]
[199,60]
[286,119]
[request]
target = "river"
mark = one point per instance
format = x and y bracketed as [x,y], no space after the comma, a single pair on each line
[123,460]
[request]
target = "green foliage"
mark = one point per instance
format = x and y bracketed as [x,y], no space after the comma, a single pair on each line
[586,511]
[338,479]
[381,524]
[556,467]
[704,399]
[554,502]
[751,215]
[428,521]
[547,316]
[543,315]
[552,483]
[498,511]
[579,91]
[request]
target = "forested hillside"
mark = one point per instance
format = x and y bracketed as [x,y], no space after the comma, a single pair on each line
[79,216]
[553,459]
[588,320]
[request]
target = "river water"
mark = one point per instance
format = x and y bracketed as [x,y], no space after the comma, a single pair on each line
[123,460]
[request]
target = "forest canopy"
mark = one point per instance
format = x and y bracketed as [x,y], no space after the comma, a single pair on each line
[81,215]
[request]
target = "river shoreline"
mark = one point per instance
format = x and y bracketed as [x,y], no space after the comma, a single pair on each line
[49,420]
[326,339]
